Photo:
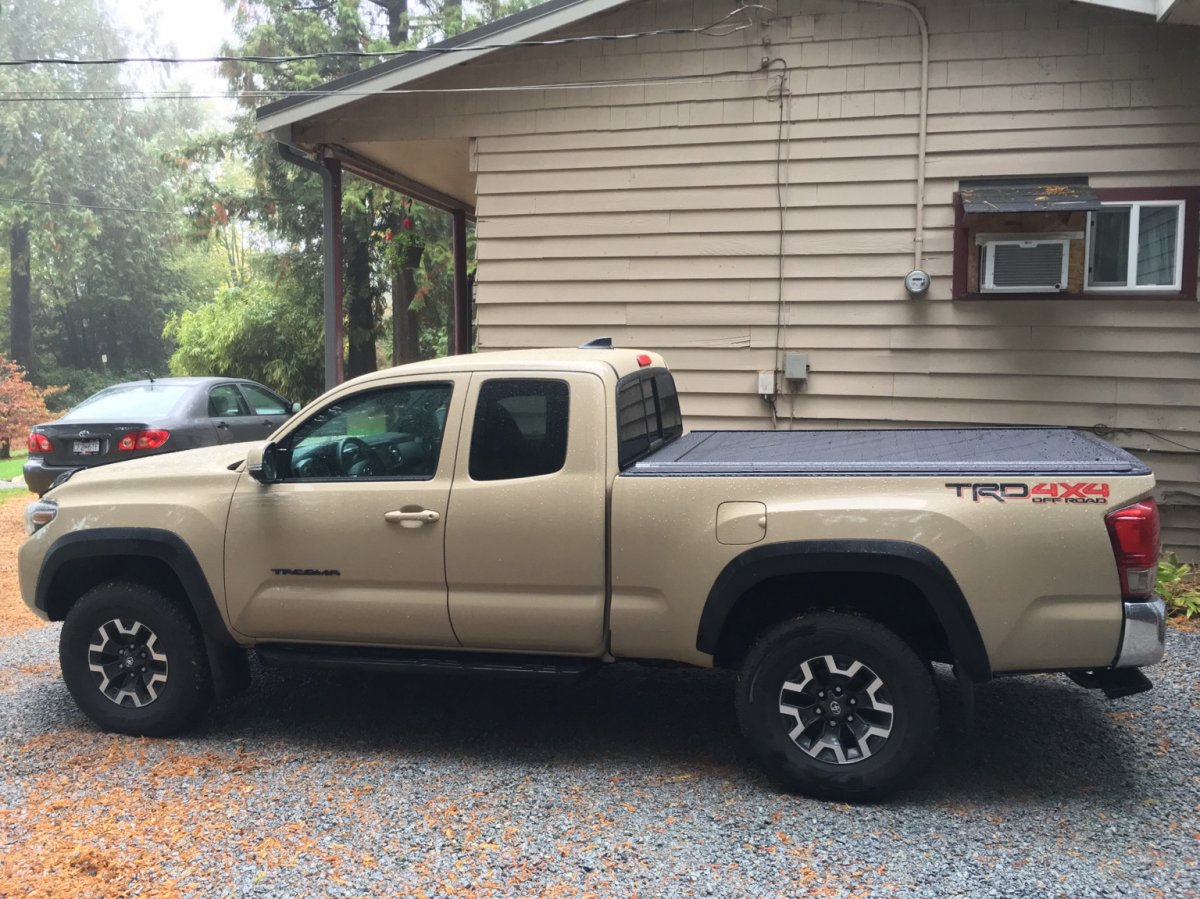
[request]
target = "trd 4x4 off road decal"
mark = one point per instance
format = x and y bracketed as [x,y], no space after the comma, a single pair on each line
[1043,493]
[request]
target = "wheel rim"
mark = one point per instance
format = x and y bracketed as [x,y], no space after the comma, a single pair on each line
[125,662]
[836,710]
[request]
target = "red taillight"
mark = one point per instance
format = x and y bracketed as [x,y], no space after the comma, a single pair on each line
[142,440]
[643,360]
[1133,531]
[40,443]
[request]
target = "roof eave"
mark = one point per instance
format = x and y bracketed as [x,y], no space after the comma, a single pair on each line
[523,26]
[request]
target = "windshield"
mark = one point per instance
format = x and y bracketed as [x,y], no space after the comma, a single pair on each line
[131,401]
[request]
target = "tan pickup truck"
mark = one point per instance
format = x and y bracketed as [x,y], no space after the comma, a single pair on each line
[544,512]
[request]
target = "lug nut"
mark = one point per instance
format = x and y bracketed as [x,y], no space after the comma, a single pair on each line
[853,702]
[850,718]
[820,694]
[837,690]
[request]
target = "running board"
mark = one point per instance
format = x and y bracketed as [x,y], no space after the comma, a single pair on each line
[373,659]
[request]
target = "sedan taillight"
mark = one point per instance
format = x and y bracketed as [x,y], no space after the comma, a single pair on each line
[142,440]
[40,443]
[1134,532]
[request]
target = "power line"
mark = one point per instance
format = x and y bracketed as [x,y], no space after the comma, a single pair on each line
[133,94]
[434,50]
[85,206]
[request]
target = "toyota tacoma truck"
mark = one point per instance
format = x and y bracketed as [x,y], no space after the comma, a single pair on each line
[544,512]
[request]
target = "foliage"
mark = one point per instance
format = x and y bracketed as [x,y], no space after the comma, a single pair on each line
[264,328]
[77,384]
[1179,585]
[96,184]
[22,404]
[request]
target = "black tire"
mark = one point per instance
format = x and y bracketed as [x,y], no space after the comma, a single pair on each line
[167,685]
[854,760]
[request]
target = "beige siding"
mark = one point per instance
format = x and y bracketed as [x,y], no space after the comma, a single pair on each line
[649,212]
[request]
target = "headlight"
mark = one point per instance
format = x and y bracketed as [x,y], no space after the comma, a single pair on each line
[40,513]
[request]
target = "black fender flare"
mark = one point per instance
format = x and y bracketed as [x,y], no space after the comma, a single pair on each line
[226,660]
[910,561]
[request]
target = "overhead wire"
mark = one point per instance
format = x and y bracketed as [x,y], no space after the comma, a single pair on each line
[98,208]
[434,50]
[135,94]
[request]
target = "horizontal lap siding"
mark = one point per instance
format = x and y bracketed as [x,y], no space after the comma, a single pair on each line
[649,214]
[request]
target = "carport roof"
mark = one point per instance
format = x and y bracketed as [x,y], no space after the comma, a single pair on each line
[501,34]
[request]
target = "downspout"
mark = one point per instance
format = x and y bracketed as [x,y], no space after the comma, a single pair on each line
[922,127]
[330,171]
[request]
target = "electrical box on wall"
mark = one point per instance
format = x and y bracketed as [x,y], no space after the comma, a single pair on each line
[795,366]
[766,383]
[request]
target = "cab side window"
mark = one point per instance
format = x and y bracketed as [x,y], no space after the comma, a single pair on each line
[392,432]
[520,429]
[225,401]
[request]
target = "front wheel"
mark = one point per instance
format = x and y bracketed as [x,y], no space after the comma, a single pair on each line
[837,706]
[134,660]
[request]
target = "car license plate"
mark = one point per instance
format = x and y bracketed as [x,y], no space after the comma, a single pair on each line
[87,447]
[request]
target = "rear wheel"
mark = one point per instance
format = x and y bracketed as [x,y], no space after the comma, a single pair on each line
[837,706]
[134,660]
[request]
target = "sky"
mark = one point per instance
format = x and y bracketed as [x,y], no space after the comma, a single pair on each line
[185,27]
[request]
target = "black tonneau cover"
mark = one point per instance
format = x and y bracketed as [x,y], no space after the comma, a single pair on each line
[926,451]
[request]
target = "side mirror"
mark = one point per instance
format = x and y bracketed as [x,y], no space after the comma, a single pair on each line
[262,464]
[296,407]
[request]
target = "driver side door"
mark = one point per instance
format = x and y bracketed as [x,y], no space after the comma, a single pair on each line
[347,546]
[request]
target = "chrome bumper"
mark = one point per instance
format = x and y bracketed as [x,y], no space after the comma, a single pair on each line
[1144,636]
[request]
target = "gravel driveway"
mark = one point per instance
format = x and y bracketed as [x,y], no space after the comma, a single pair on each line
[630,783]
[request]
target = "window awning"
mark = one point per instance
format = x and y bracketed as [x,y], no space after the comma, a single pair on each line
[1067,195]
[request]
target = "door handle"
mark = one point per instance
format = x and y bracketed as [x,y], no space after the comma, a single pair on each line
[412,519]
[222,425]
[268,424]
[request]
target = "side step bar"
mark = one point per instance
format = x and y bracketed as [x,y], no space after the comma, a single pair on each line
[1115,682]
[373,659]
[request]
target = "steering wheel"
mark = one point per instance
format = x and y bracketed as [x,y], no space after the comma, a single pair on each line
[353,450]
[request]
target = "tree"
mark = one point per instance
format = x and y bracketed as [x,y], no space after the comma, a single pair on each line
[88,200]
[263,328]
[22,405]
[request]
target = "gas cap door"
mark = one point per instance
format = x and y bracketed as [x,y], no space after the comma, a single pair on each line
[741,523]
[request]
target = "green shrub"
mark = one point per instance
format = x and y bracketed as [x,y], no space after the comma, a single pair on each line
[1179,586]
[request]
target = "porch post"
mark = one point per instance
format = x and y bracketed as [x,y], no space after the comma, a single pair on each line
[462,296]
[335,325]
[330,171]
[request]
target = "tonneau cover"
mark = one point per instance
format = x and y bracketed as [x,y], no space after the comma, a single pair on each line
[925,451]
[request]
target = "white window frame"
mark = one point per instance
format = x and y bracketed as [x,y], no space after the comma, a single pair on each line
[1131,286]
[989,259]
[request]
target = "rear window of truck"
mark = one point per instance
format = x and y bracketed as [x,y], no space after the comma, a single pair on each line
[648,415]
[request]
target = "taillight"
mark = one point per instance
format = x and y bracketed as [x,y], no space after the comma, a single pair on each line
[643,360]
[142,440]
[40,443]
[1133,531]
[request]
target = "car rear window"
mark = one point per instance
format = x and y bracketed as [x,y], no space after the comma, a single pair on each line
[648,415]
[129,401]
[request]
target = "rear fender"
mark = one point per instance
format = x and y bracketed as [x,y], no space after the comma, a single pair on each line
[908,561]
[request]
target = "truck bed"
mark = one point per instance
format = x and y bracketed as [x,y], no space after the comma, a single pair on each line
[900,452]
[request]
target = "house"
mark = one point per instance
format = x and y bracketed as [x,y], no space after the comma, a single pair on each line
[746,187]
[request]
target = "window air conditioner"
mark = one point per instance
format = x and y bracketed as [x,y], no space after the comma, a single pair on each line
[1025,266]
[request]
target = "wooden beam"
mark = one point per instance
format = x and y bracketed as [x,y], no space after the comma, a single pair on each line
[462,342]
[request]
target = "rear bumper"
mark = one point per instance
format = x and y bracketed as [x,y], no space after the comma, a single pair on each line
[1144,635]
[39,476]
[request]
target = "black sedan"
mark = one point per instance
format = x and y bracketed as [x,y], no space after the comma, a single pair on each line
[143,418]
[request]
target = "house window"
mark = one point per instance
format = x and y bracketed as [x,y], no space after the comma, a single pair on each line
[1047,238]
[1135,246]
